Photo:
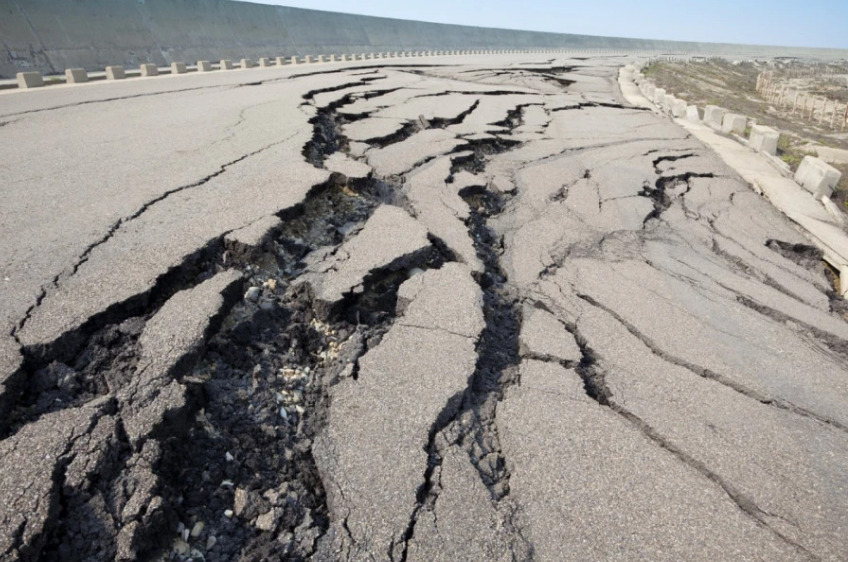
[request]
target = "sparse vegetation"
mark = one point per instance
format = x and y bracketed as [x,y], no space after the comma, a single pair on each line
[789,152]
[734,87]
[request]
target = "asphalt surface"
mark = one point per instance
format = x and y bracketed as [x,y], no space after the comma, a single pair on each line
[460,308]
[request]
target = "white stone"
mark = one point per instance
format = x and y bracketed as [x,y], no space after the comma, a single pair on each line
[240,500]
[180,547]
[764,139]
[197,529]
[817,176]
[265,522]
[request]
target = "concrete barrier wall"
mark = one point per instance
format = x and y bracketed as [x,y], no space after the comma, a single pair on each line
[52,35]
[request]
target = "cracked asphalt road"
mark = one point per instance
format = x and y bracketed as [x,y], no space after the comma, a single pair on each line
[475,308]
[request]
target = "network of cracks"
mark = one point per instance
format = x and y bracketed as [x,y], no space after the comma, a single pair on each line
[226,469]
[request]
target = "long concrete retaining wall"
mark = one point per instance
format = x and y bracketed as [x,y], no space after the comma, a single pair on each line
[50,36]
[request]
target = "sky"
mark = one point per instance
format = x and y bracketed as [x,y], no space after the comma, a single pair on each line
[805,23]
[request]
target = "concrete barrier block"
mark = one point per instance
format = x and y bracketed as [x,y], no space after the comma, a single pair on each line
[678,108]
[692,114]
[817,176]
[178,68]
[319,58]
[30,80]
[226,64]
[281,61]
[764,139]
[714,115]
[659,96]
[204,66]
[115,73]
[264,62]
[149,69]
[734,123]
[293,60]
[245,64]
[76,75]
[307,59]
